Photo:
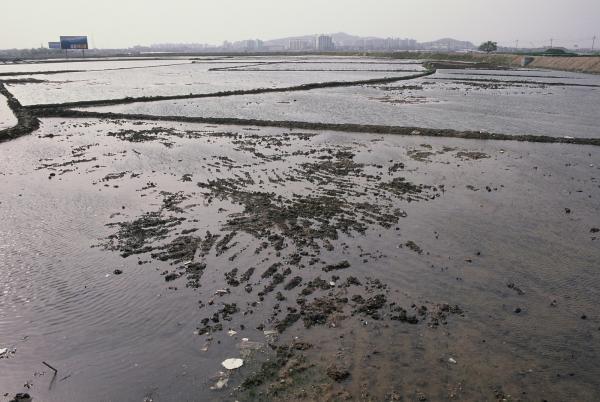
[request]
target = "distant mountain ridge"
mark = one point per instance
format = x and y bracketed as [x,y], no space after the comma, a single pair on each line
[449,43]
[347,39]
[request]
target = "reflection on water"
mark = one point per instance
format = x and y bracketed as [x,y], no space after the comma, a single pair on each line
[119,80]
[433,102]
[500,220]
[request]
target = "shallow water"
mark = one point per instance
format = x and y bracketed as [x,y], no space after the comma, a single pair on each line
[99,64]
[506,231]
[7,118]
[130,336]
[556,111]
[117,79]
[172,80]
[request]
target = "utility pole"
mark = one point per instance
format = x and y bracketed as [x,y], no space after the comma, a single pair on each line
[517,44]
[593,42]
[551,42]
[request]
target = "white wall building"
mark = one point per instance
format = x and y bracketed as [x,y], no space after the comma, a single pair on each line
[324,43]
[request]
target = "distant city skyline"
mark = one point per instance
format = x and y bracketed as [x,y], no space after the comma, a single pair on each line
[125,23]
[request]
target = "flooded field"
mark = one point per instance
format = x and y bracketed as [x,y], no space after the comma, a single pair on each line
[176,77]
[7,118]
[519,104]
[141,257]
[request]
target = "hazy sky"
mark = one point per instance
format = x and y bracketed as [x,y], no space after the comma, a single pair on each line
[123,23]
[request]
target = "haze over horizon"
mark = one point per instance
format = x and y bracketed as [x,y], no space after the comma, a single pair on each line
[125,23]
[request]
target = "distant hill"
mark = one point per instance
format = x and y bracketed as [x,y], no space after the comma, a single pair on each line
[449,44]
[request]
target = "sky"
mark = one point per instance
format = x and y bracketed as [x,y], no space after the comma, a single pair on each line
[124,23]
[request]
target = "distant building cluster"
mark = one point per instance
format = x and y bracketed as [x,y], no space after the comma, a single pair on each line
[327,43]
[387,44]
[299,45]
[320,43]
[250,45]
[253,45]
[324,43]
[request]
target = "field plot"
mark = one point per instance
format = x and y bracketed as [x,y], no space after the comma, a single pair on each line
[201,76]
[7,118]
[141,251]
[512,105]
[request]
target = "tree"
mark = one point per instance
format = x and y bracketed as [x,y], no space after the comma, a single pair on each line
[489,46]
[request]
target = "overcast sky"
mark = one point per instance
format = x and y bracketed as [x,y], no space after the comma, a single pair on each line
[124,23]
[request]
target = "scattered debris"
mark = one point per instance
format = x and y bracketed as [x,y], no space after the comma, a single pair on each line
[232,364]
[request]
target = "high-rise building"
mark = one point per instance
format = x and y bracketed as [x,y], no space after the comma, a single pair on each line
[324,43]
[253,45]
[300,44]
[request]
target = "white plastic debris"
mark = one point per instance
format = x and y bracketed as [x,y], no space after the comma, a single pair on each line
[568,137]
[221,292]
[451,360]
[231,332]
[270,332]
[232,364]
[3,351]
[332,283]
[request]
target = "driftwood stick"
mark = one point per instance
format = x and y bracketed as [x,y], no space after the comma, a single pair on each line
[46,364]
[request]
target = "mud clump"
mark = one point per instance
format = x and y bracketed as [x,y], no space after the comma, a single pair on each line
[371,306]
[287,364]
[136,236]
[337,374]
[289,320]
[400,187]
[472,155]
[335,267]
[181,249]
[511,285]
[320,309]
[314,285]
[295,281]
[413,246]
[271,270]
[154,134]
